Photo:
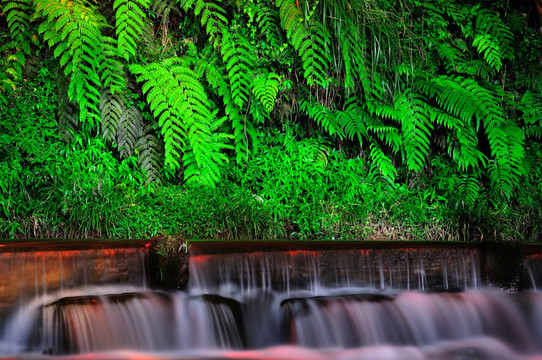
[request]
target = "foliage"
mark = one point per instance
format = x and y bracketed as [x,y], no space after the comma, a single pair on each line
[335,114]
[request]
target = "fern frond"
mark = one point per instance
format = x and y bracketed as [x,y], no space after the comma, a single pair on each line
[238,56]
[244,133]
[12,65]
[269,23]
[311,42]
[67,111]
[18,14]
[531,106]
[112,71]
[130,19]
[323,116]
[416,129]
[179,102]
[149,150]
[381,163]
[74,31]
[158,83]
[111,111]
[462,140]
[129,128]
[450,55]
[493,38]
[466,99]
[477,68]
[468,186]
[212,14]
[265,87]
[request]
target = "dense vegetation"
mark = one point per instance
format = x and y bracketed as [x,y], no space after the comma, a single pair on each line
[355,119]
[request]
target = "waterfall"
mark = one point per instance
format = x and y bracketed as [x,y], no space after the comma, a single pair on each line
[393,303]
[318,272]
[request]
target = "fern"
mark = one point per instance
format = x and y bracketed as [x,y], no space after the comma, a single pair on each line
[469,188]
[356,121]
[310,41]
[213,15]
[130,20]
[239,59]
[12,67]
[149,150]
[382,163]
[353,122]
[269,24]
[112,70]
[244,133]
[125,125]
[265,87]
[129,130]
[17,13]
[179,102]
[73,30]
[416,129]
[531,107]
[111,110]
[67,111]
[477,68]
[462,141]
[451,56]
[323,116]
[493,39]
[466,99]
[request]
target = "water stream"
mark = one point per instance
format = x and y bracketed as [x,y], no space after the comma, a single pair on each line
[414,303]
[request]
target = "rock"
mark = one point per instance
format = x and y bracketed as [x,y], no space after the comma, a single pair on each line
[168,262]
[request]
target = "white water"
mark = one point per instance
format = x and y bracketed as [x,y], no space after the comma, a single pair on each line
[268,306]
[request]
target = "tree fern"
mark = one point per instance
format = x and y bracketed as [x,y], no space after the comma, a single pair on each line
[309,39]
[180,103]
[73,30]
[130,18]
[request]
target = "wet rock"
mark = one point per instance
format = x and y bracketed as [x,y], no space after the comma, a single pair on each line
[168,262]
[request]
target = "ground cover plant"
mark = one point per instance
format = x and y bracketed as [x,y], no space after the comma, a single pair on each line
[342,120]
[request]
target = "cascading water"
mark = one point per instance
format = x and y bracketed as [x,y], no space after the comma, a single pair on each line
[417,303]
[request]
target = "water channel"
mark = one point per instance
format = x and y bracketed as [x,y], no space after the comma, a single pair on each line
[262,301]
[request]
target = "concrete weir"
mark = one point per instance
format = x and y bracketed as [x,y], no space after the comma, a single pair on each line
[77,298]
[31,268]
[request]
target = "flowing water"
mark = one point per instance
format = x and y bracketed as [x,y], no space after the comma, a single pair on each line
[416,303]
